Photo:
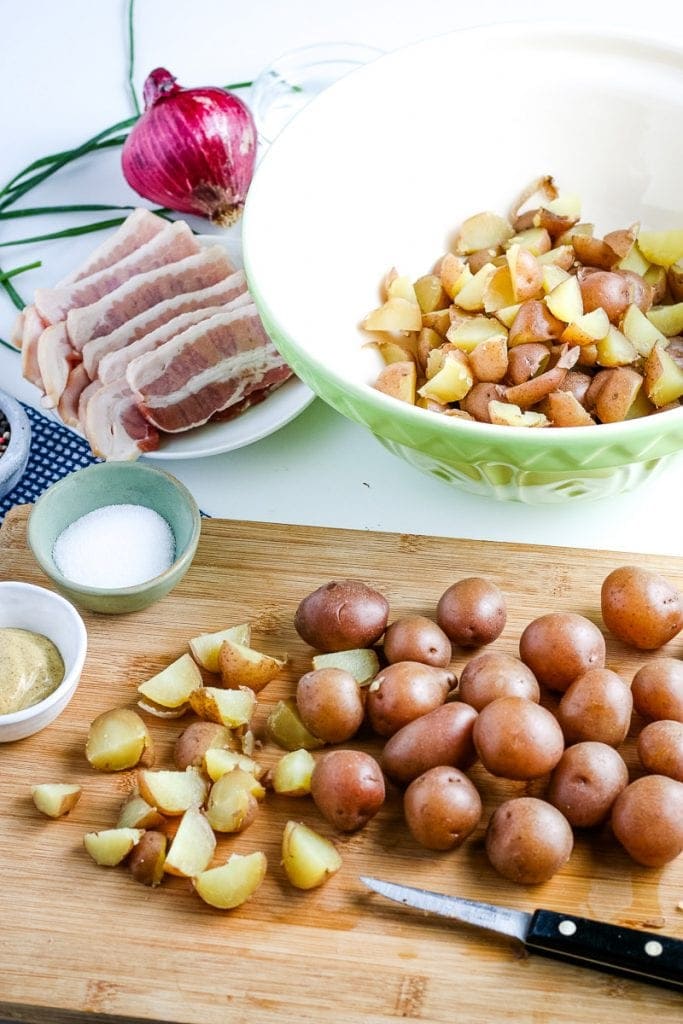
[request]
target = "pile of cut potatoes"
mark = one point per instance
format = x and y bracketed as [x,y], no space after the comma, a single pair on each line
[168,825]
[534,321]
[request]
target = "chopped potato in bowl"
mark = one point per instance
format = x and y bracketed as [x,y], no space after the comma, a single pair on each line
[534,321]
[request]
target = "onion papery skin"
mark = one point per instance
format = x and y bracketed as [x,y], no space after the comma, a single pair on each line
[193,150]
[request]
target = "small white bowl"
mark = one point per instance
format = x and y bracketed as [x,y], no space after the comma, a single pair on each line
[24,606]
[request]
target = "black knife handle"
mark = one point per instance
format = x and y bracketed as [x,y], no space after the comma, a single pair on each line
[642,956]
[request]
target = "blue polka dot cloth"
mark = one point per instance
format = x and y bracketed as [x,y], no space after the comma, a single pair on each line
[55,452]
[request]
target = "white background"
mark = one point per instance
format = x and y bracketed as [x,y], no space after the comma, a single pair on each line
[62,78]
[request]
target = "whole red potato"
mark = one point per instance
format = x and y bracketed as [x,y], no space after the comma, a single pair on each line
[641,607]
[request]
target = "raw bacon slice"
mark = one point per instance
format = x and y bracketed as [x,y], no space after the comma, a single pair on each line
[56,357]
[115,427]
[113,366]
[87,393]
[174,243]
[238,408]
[145,290]
[77,382]
[205,370]
[136,229]
[33,327]
[150,319]
[17,334]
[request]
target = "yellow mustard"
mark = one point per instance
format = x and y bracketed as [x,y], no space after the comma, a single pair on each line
[31,667]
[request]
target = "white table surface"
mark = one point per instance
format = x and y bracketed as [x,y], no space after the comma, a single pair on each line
[62,79]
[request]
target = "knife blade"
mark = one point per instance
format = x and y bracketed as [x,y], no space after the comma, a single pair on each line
[640,955]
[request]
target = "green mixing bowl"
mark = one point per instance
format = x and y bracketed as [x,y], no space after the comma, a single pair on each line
[381,169]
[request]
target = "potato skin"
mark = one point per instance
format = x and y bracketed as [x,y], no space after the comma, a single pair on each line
[647,819]
[146,859]
[442,808]
[597,706]
[330,704]
[476,401]
[528,840]
[561,646]
[660,748]
[441,737]
[405,691]
[585,783]
[417,638]
[472,612]
[196,739]
[525,361]
[614,290]
[342,615]
[640,607]
[517,739]
[495,674]
[348,788]
[657,689]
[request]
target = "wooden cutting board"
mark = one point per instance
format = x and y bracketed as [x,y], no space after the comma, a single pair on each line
[79,939]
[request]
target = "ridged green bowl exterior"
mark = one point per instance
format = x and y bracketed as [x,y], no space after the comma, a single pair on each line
[514,464]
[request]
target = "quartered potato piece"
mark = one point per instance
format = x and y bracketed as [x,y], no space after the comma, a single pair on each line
[307,857]
[118,739]
[109,847]
[171,688]
[292,773]
[54,799]
[232,708]
[239,665]
[206,647]
[192,847]
[233,883]
[173,792]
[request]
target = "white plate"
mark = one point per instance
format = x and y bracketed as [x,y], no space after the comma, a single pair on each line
[261,420]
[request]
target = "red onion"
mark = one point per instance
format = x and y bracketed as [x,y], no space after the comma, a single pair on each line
[192,150]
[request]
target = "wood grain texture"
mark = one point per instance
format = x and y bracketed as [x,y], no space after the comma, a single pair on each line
[76,939]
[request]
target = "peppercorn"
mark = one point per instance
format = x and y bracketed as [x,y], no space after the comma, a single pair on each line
[5,433]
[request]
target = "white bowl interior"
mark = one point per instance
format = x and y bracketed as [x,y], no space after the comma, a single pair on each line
[24,606]
[380,170]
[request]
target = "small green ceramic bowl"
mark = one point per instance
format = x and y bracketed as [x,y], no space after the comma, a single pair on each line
[115,483]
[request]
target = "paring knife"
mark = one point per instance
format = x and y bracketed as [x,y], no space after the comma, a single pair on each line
[640,955]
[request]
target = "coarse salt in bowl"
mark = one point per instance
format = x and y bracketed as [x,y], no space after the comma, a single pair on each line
[99,561]
[382,168]
[139,546]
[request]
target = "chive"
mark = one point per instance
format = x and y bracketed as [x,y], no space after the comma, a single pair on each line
[52,158]
[11,290]
[10,347]
[6,274]
[38,211]
[131,55]
[14,295]
[46,161]
[83,229]
[60,161]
